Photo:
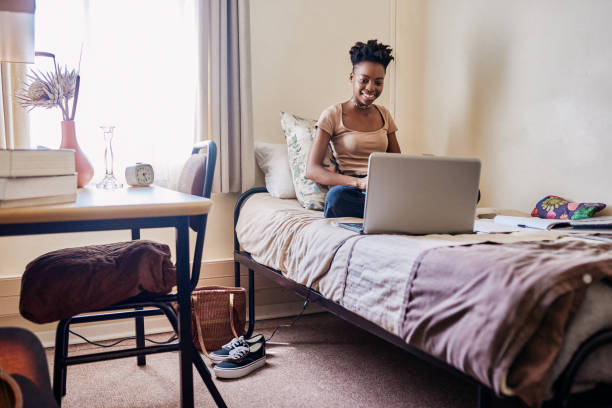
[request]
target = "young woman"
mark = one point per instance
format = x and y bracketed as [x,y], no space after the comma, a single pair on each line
[355,129]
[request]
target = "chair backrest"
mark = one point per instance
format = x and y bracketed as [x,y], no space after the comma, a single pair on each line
[197,178]
[198,173]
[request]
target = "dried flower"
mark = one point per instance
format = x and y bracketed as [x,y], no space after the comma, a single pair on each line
[50,89]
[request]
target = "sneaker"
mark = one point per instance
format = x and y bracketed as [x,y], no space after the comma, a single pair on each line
[222,354]
[243,360]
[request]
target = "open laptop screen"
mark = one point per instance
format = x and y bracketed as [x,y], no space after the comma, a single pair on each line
[421,194]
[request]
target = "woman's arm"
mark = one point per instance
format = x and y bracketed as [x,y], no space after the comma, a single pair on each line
[317,173]
[393,146]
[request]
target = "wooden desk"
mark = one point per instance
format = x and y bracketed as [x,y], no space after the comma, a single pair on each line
[129,208]
[96,204]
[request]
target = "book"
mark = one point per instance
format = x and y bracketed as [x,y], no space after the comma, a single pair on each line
[487,226]
[17,188]
[596,224]
[47,200]
[36,162]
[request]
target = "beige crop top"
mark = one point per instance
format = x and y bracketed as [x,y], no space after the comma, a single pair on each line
[352,148]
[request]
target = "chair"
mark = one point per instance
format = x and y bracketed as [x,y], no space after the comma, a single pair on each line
[24,374]
[196,178]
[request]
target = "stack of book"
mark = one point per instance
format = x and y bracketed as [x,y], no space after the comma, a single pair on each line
[37,177]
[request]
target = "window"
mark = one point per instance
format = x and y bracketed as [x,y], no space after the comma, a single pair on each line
[138,72]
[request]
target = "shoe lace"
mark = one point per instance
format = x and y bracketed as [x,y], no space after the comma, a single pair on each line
[235,343]
[239,353]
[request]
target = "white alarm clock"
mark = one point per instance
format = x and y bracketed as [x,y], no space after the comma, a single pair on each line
[139,174]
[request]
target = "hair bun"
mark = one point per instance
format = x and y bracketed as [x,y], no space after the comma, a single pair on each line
[373,51]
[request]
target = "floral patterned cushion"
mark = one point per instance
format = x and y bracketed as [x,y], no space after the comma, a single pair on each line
[556,207]
[299,134]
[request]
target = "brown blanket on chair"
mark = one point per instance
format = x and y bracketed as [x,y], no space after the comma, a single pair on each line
[64,283]
[499,312]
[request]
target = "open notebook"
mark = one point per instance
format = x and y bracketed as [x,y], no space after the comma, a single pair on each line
[594,224]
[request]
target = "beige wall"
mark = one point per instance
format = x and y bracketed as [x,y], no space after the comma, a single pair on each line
[410,70]
[300,60]
[523,85]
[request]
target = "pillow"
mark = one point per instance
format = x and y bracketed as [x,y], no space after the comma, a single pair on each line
[273,160]
[299,134]
[556,207]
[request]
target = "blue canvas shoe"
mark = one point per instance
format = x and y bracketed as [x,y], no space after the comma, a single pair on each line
[242,361]
[222,354]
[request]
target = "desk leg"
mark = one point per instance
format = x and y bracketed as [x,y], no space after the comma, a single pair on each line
[249,332]
[184,300]
[139,321]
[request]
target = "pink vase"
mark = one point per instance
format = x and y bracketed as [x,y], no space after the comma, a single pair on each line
[82,164]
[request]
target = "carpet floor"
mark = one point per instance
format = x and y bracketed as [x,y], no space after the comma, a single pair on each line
[321,361]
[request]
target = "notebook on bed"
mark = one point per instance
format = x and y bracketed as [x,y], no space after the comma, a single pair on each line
[419,195]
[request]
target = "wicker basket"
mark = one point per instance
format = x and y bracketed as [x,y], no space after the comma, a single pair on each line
[214,308]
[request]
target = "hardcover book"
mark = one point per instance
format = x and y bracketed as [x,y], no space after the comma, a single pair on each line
[36,162]
[47,200]
[17,188]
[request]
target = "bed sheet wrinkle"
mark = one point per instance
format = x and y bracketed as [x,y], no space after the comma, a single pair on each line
[281,234]
[376,278]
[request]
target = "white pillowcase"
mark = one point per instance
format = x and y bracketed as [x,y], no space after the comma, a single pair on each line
[273,160]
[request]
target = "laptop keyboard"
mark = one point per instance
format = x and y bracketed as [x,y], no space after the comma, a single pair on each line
[353,226]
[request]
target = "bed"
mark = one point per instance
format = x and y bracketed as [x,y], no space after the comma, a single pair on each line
[523,315]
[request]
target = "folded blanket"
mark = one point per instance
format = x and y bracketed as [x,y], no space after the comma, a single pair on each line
[499,312]
[64,283]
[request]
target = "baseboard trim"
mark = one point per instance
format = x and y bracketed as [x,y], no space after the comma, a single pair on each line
[159,324]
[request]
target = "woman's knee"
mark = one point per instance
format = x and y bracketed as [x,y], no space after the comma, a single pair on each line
[343,201]
[334,195]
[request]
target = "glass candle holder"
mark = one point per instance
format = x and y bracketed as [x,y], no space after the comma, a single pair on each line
[109,182]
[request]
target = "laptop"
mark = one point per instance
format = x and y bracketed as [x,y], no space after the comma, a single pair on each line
[418,195]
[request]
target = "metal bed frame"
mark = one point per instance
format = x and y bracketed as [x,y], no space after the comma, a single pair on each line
[562,387]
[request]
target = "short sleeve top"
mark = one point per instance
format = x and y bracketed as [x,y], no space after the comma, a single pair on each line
[352,148]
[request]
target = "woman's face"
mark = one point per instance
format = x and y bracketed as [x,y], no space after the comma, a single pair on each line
[368,80]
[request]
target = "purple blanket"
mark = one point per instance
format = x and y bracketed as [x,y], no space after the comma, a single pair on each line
[499,312]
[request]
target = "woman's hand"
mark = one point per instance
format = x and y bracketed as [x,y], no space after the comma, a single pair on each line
[361,183]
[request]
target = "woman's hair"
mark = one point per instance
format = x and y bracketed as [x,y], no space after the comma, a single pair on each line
[372,51]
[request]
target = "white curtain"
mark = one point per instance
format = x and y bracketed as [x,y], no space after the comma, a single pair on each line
[13,118]
[224,111]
